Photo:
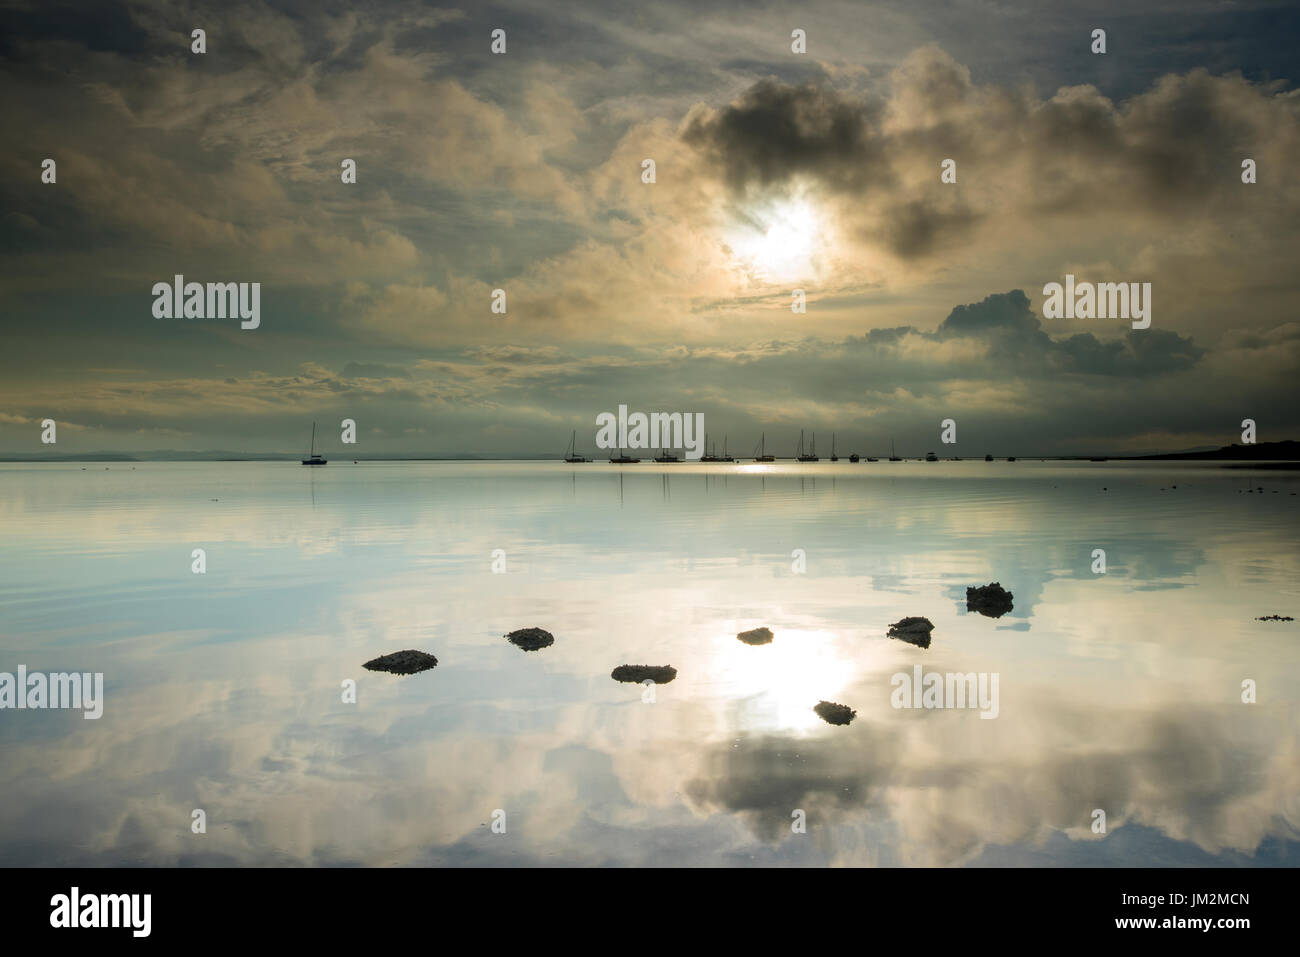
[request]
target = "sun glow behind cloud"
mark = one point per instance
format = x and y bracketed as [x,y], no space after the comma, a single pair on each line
[779,241]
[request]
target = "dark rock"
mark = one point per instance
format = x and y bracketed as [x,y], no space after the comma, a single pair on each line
[914,631]
[756,636]
[992,601]
[402,662]
[659,674]
[1275,618]
[531,639]
[833,713]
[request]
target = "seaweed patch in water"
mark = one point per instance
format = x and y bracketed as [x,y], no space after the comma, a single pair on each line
[402,662]
[531,639]
[991,601]
[659,674]
[833,713]
[915,631]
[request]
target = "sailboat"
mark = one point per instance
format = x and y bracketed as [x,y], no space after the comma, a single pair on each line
[725,456]
[666,456]
[931,457]
[892,456]
[811,456]
[623,459]
[571,453]
[315,459]
[763,456]
[708,456]
[834,457]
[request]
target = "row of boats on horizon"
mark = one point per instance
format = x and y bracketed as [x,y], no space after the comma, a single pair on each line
[572,455]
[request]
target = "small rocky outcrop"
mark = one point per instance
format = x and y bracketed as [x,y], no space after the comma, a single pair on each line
[402,662]
[659,674]
[914,631]
[1275,618]
[756,636]
[992,601]
[531,639]
[833,713]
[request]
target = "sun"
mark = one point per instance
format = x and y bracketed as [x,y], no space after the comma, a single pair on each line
[779,241]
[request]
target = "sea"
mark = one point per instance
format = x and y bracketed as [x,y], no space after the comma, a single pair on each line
[1143,715]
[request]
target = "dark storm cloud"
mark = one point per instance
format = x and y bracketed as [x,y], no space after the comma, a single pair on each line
[775,132]
[1006,324]
[920,227]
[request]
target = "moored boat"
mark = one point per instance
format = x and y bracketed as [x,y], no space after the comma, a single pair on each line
[811,455]
[571,453]
[314,459]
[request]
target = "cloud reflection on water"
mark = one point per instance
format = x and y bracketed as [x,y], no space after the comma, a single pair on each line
[223,690]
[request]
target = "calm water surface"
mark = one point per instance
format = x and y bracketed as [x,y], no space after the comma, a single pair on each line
[1118,691]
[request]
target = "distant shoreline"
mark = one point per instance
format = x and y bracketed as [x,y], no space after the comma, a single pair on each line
[1277,455]
[1268,464]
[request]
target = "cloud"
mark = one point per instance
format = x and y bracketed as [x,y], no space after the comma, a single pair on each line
[776,132]
[1170,155]
[989,363]
[1014,341]
[523,173]
[1159,772]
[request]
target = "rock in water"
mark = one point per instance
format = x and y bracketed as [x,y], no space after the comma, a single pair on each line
[659,674]
[915,631]
[1275,618]
[531,639]
[756,636]
[833,713]
[402,662]
[992,601]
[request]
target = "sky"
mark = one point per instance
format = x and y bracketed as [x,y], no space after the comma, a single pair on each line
[523,171]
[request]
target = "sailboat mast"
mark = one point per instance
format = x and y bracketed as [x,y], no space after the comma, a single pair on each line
[313,440]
